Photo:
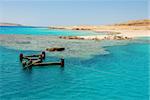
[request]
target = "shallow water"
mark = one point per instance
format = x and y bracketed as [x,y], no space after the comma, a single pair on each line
[43,31]
[112,72]
[120,75]
[73,48]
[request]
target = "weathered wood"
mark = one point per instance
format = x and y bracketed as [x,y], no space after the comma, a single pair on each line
[62,62]
[47,63]
[43,54]
[38,55]
[32,58]
[50,63]
[36,60]
[31,63]
[33,55]
[21,57]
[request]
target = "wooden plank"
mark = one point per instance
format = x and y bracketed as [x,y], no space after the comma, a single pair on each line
[31,58]
[31,63]
[47,63]
[33,55]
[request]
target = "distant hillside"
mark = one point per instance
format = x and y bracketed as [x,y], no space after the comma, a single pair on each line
[130,25]
[9,24]
[145,22]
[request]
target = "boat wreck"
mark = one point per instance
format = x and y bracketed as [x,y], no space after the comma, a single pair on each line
[37,60]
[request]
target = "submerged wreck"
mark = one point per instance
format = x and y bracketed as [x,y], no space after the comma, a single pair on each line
[37,60]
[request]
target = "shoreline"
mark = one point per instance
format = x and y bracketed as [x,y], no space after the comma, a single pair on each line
[113,35]
[129,29]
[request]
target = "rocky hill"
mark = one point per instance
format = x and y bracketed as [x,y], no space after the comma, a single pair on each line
[145,22]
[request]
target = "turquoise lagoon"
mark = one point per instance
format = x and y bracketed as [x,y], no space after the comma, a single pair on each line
[42,31]
[123,74]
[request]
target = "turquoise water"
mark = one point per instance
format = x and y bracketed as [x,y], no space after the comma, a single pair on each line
[121,75]
[42,31]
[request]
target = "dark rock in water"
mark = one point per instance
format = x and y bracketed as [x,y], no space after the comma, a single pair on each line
[55,49]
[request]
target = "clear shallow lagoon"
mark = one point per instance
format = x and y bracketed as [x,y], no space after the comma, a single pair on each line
[121,75]
[42,31]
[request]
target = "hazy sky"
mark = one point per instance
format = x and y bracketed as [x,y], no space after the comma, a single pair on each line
[71,12]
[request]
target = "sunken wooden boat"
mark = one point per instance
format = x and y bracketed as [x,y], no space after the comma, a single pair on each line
[37,60]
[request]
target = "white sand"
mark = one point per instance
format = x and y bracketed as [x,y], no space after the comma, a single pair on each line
[123,33]
[131,33]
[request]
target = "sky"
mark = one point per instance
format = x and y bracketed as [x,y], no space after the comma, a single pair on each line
[72,12]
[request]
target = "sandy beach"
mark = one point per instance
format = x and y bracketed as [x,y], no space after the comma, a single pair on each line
[130,29]
[123,33]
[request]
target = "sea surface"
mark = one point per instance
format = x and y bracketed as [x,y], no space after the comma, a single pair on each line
[123,74]
[43,31]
